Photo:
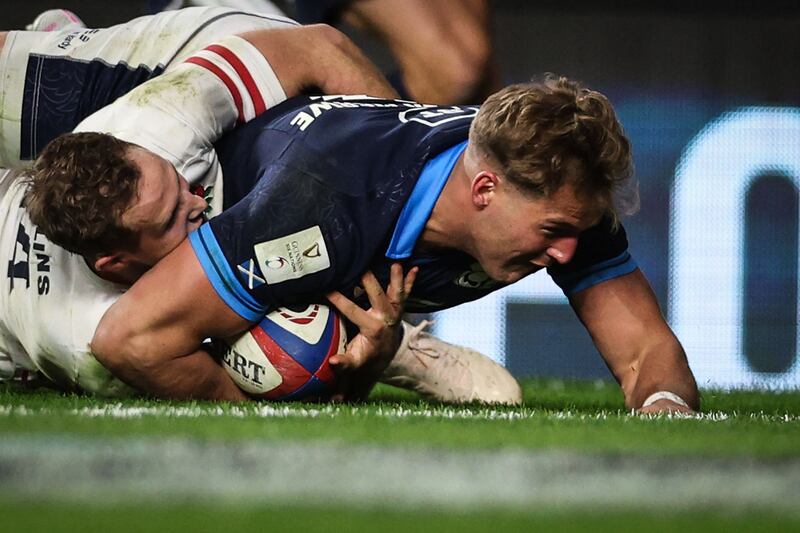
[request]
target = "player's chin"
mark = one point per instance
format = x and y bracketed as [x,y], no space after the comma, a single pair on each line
[510,274]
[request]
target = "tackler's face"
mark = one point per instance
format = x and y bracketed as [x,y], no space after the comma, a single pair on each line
[165,210]
[520,234]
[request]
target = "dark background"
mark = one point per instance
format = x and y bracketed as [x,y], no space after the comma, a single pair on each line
[670,67]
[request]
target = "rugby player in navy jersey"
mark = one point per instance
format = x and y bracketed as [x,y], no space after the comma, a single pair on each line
[53,80]
[52,300]
[346,185]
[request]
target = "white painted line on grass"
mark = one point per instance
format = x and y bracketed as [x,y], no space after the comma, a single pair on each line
[263,410]
[92,470]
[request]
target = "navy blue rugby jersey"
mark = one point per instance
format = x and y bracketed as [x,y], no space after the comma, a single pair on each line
[330,187]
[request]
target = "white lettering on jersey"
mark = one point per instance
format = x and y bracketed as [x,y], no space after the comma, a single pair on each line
[304,119]
[440,115]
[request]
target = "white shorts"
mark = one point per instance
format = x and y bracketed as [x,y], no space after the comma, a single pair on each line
[50,81]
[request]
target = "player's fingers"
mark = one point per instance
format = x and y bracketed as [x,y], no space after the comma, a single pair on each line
[408,282]
[375,293]
[349,309]
[396,290]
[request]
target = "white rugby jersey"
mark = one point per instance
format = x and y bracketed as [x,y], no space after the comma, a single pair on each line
[50,81]
[52,301]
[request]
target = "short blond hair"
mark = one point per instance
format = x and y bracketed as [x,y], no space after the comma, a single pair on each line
[537,132]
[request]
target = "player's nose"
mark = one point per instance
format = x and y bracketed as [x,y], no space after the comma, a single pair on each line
[197,206]
[563,250]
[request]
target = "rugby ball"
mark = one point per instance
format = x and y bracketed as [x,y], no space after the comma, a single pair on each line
[285,356]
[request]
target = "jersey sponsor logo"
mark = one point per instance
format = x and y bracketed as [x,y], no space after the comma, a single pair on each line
[435,116]
[475,278]
[19,267]
[312,251]
[275,263]
[292,256]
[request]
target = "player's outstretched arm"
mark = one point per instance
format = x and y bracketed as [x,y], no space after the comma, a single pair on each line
[151,337]
[321,57]
[640,349]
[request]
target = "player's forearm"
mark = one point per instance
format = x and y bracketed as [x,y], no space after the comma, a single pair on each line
[152,337]
[350,72]
[193,376]
[659,367]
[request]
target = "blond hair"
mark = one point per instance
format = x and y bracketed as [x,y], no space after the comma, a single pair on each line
[538,132]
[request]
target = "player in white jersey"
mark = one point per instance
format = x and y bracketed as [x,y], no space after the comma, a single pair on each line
[160,117]
[47,78]
[50,303]
[51,300]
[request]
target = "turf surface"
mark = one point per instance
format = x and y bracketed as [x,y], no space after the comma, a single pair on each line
[751,440]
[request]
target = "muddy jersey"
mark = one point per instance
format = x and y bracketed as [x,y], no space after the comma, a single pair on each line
[53,301]
[50,81]
[346,184]
[50,301]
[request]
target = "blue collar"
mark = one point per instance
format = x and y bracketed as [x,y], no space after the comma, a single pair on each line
[420,203]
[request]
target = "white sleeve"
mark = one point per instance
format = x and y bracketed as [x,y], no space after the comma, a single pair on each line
[179,114]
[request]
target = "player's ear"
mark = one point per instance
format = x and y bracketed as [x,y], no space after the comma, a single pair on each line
[112,263]
[484,185]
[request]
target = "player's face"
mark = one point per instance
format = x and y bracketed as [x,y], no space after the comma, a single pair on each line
[520,235]
[165,211]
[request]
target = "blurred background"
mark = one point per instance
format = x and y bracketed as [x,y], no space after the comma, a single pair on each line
[708,93]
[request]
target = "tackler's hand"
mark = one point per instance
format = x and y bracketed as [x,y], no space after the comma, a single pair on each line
[380,331]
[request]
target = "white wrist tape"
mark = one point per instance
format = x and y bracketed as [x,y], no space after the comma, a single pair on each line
[664,395]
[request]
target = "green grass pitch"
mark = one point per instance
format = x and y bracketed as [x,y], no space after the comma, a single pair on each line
[570,458]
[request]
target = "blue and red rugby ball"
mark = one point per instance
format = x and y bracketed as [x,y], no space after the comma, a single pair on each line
[285,356]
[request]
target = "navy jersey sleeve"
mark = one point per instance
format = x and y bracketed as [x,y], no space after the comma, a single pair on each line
[294,238]
[602,254]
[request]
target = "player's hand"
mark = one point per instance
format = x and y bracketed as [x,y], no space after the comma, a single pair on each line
[664,406]
[380,331]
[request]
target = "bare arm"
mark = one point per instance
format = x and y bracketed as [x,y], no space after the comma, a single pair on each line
[151,338]
[319,56]
[640,349]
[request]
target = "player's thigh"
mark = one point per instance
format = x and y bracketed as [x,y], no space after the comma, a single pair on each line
[458,33]
[457,24]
